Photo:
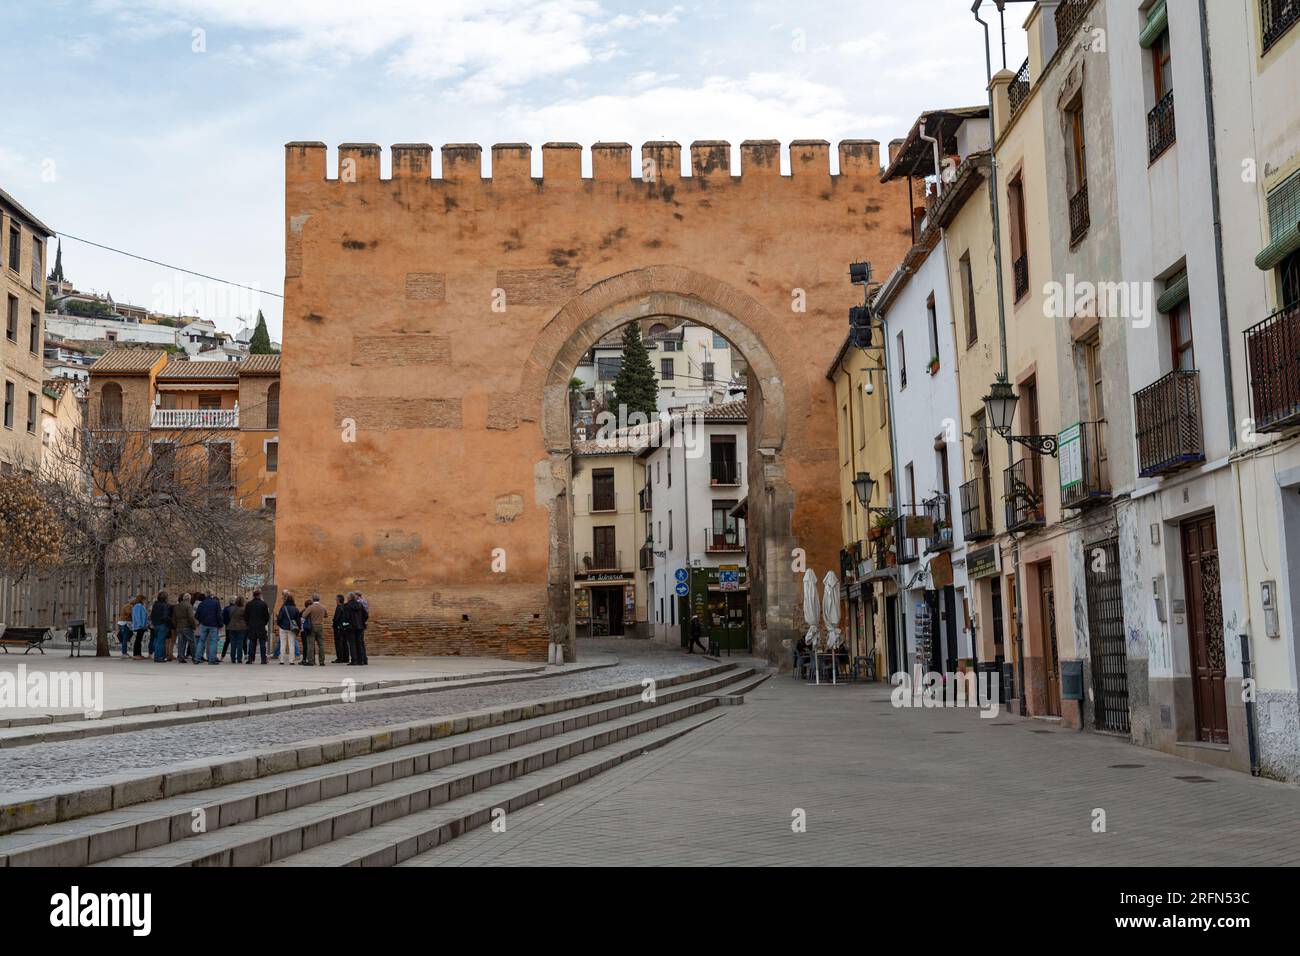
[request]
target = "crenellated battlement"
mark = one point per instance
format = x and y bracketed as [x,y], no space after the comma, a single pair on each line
[661,161]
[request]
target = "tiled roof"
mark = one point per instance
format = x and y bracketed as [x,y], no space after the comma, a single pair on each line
[260,365]
[733,411]
[207,371]
[127,361]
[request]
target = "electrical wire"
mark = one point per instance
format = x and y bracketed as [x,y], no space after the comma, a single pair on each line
[123,252]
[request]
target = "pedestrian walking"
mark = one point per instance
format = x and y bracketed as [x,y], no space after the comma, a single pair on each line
[186,626]
[340,625]
[210,623]
[139,624]
[287,624]
[313,632]
[257,616]
[160,620]
[236,629]
[697,631]
[358,617]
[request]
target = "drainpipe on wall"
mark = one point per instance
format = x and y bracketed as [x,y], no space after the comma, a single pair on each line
[893,459]
[1225,335]
[1250,705]
[1002,326]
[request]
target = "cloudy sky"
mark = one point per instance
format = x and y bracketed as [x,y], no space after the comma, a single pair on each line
[157,126]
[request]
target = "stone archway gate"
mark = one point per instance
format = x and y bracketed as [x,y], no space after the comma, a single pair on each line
[431,326]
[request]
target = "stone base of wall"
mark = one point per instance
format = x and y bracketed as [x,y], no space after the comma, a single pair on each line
[469,639]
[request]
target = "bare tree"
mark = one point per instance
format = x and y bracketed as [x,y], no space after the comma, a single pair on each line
[29,530]
[124,493]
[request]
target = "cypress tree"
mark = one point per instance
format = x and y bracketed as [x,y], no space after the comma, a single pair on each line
[635,385]
[260,343]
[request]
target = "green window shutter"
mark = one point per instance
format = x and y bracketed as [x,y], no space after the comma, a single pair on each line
[1287,242]
[1157,23]
[1175,293]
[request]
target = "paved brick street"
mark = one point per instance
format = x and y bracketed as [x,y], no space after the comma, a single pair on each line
[887,786]
[47,764]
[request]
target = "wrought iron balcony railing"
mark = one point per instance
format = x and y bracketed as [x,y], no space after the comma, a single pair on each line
[906,533]
[195,417]
[1079,218]
[938,510]
[977,509]
[645,498]
[1168,423]
[728,539]
[1020,270]
[1093,486]
[602,502]
[647,557]
[1275,18]
[1018,91]
[604,559]
[1273,364]
[1160,127]
[724,472]
[1068,17]
[1023,495]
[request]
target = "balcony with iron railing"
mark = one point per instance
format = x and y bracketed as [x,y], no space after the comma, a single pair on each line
[1023,495]
[1161,133]
[909,526]
[1068,17]
[645,498]
[938,509]
[1275,18]
[724,471]
[646,556]
[1273,367]
[1093,486]
[602,559]
[1020,272]
[880,546]
[977,509]
[602,502]
[1167,414]
[1079,215]
[724,540]
[1018,91]
[195,417]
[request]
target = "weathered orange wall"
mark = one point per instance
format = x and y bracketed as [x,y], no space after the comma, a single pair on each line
[388,321]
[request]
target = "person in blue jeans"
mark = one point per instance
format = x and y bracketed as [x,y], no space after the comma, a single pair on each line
[139,624]
[160,617]
[210,623]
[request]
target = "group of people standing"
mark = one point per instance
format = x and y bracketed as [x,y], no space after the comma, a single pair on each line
[192,629]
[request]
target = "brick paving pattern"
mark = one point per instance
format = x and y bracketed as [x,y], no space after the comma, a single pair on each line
[63,762]
[895,787]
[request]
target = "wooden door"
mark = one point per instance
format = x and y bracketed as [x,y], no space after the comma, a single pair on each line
[1205,628]
[1051,662]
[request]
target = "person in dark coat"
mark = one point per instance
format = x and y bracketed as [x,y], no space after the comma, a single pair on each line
[210,627]
[160,617]
[256,617]
[697,631]
[358,616]
[340,624]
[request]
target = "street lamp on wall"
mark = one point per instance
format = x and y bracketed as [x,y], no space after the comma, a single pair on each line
[863,486]
[1000,410]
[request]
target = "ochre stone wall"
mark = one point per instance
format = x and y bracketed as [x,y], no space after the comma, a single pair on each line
[440,319]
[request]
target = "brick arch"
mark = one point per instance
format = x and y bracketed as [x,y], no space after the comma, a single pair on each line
[543,397]
[640,293]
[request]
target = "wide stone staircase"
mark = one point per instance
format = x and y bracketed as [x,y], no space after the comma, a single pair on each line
[371,799]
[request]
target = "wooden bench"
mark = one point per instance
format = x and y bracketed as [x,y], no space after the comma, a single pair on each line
[32,637]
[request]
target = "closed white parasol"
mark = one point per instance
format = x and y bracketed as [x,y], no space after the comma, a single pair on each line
[811,615]
[831,614]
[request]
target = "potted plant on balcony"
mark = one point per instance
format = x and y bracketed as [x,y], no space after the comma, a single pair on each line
[879,525]
[934,364]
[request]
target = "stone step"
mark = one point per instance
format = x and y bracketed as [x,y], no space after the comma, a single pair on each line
[735,693]
[159,822]
[22,810]
[279,835]
[402,842]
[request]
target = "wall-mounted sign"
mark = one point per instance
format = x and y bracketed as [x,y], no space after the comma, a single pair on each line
[982,562]
[1069,450]
[729,578]
[680,574]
